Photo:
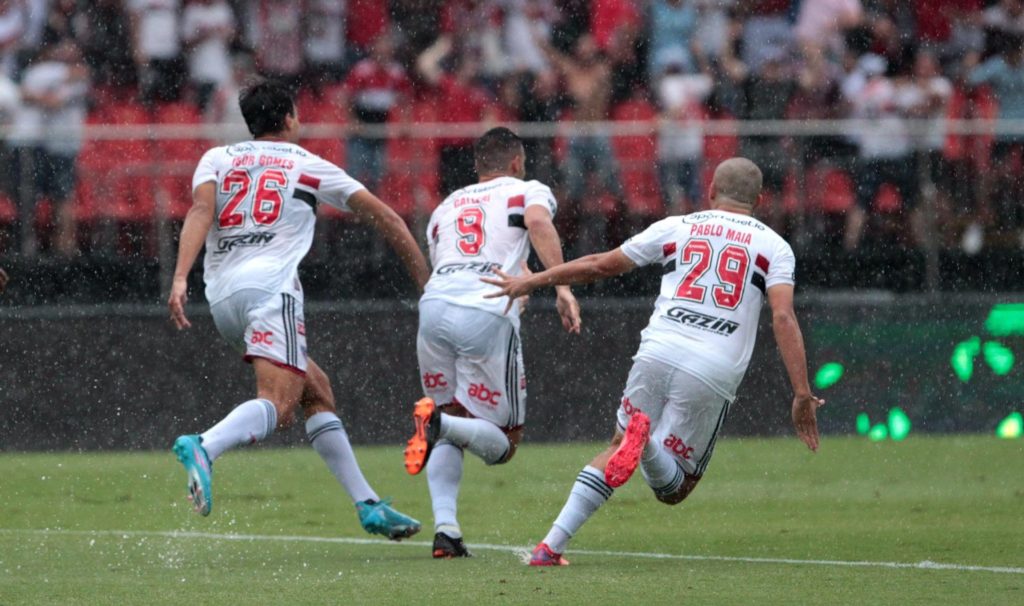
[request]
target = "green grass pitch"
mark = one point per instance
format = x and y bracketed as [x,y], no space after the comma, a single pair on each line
[948,500]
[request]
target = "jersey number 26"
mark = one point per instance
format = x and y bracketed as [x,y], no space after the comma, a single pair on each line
[267,199]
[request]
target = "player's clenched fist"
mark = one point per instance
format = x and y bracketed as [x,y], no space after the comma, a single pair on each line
[176,303]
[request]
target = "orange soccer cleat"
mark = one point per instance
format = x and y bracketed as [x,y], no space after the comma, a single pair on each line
[428,425]
[543,556]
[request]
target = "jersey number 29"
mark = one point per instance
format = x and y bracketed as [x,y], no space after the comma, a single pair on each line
[731,270]
[266,201]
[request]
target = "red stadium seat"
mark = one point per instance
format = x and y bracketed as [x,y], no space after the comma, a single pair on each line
[124,190]
[412,178]
[177,158]
[637,157]
[323,107]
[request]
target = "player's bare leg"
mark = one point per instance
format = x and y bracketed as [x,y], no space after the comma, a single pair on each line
[328,437]
[277,394]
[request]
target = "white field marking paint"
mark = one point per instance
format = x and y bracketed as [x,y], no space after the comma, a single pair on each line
[517,550]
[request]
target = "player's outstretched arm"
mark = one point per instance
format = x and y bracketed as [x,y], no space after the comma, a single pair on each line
[791,346]
[386,221]
[590,268]
[193,234]
[548,245]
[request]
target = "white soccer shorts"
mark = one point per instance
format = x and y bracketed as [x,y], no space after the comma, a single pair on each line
[686,414]
[472,357]
[259,324]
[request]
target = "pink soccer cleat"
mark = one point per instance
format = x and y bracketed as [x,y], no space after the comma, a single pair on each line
[623,463]
[543,556]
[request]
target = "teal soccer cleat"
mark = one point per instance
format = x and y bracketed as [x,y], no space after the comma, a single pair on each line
[190,452]
[380,518]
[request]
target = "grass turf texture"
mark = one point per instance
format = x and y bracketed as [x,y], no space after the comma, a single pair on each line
[943,499]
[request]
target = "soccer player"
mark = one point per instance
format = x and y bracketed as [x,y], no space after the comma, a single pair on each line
[718,266]
[470,362]
[254,205]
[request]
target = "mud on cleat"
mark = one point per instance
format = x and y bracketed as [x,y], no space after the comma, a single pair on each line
[543,556]
[190,452]
[623,462]
[446,547]
[427,419]
[378,517]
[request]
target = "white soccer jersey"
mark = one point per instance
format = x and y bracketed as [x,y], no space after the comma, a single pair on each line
[718,267]
[267,192]
[476,230]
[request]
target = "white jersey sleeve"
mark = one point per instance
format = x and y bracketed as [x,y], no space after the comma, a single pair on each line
[538,194]
[333,185]
[783,266]
[207,169]
[649,245]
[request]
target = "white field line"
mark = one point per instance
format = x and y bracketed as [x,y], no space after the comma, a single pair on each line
[176,534]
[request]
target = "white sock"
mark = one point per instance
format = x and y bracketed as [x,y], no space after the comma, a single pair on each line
[248,423]
[479,437]
[661,471]
[588,494]
[444,473]
[329,439]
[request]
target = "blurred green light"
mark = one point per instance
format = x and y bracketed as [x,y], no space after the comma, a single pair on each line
[963,358]
[828,375]
[863,424]
[1006,319]
[998,357]
[878,433]
[899,424]
[1012,427]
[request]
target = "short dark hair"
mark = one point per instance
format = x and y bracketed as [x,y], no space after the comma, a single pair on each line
[496,148]
[264,106]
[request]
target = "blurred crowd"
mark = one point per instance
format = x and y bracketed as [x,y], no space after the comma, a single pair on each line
[906,68]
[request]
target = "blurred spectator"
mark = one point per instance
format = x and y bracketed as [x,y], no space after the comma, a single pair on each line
[273,34]
[376,87]
[10,100]
[766,30]
[680,139]
[765,94]
[13,24]
[672,27]
[324,40]
[368,19]
[821,24]
[223,108]
[540,103]
[521,17]
[1005,16]
[157,45]
[473,27]
[64,21]
[588,81]
[716,25]
[47,136]
[818,98]
[107,43]
[885,146]
[207,28]
[1004,74]
[459,100]
[929,94]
